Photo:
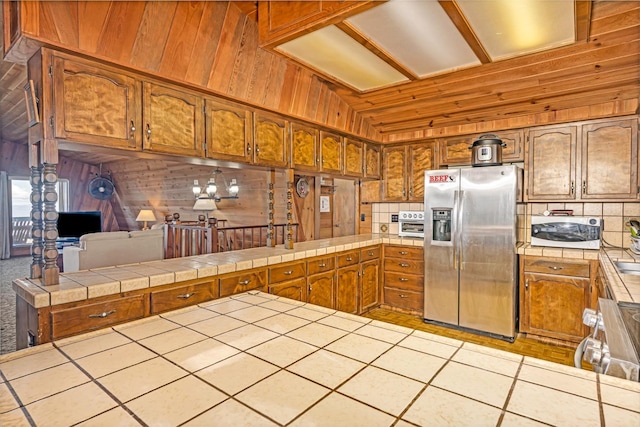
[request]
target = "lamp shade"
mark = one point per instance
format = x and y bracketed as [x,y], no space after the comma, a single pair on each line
[146,215]
[204,204]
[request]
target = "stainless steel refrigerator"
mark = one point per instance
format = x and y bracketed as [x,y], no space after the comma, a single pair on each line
[470,248]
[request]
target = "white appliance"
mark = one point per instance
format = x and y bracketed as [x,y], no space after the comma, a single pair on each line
[577,232]
[411,224]
[471,267]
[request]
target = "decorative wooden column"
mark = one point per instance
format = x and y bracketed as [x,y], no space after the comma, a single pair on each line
[271,181]
[37,224]
[49,155]
[288,241]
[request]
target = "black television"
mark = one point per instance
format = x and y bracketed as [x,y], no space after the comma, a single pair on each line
[72,225]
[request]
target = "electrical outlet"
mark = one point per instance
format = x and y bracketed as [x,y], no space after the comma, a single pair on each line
[394,218]
[362,217]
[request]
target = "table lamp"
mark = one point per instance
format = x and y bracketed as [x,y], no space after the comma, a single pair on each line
[146,215]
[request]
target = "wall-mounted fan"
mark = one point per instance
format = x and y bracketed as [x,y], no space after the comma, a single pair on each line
[101,187]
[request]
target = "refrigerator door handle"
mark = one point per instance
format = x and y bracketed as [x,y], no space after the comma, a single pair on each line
[454,232]
[459,229]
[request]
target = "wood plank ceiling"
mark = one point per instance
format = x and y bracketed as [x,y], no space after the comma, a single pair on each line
[595,78]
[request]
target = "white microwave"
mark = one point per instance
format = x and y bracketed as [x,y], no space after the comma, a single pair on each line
[411,224]
[576,232]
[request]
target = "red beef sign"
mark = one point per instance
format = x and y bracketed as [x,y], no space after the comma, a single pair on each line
[440,178]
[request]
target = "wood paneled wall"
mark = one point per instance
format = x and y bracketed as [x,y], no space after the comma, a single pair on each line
[211,45]
[14,159]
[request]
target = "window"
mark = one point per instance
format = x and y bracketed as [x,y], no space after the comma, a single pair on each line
[21,207]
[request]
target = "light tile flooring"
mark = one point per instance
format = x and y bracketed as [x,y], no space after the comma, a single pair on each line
[258,360]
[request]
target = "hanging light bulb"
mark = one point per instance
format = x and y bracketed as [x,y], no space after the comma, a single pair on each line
[212,188]
[233,188]
[196,188]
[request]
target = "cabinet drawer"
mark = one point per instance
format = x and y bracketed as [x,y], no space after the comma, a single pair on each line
[367,254]
[563,267]
[238,283]
[407,266]
[281,273]
[348,258]
[72,321]
[183,296]
[410,282]
[320,265]
[407,300]
[404,252]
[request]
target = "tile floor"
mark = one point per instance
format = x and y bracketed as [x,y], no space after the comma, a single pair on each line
[258,360]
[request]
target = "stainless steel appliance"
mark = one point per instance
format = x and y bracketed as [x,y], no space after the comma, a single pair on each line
[411,223]
[470,248]
[487,150]
[613,348]
[578,232]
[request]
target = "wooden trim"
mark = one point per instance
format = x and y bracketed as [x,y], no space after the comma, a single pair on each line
[583,20]
[452,9]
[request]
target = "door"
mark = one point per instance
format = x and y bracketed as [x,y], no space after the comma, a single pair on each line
[441,273]
[486,250]
[344,204]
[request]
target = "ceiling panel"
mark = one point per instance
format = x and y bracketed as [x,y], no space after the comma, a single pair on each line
[419,35]
[508,28]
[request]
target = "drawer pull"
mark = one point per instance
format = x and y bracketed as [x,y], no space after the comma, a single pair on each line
[403,279]
[370,253]
[404,264]
[555,267]
[403,252]
[186,296]
[403,296]
[322,265]
[288,273]
[349,259]
[102,315]
[244,282]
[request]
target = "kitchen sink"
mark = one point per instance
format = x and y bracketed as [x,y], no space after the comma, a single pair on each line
[628,267]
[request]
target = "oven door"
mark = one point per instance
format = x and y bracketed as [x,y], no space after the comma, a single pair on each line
[411,229]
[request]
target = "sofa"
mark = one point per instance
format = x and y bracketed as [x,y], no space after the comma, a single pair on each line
[114,248]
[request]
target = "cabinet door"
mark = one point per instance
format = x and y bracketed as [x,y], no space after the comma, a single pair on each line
[347,289]
[270,140]
[173,121]
[228,131]
[552,306]
[394,164]
[455,150]
[304,147]
[95,106]
[294,289]
[514,151]
[422,157]
[353,157]
[372,161]
[330,152]
[321,289]
[610,160]
[370,285]
[551,163]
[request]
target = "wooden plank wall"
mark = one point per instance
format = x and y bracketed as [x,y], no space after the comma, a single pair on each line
[15,160]
[211,45]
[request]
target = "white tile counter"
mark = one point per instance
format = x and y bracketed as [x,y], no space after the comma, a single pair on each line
[258,359]
[625,287]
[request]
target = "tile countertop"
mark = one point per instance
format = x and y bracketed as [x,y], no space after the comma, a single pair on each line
[81,285]
[259,359]
[624,287]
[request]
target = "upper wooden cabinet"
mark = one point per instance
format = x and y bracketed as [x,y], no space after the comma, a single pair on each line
[372,161]
[353,157]
[93,105]
[588,161]
[228,131]
[271,134]
[331,146]
[304,147]
[173,121]
[455,151]
[403,170]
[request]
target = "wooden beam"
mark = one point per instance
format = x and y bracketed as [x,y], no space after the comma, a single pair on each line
[452,9]
[583,20]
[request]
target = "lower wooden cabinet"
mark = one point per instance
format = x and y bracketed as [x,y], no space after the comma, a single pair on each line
[183,296]
[70,321]
[236,283]
[553,295]
[369,295]
[321,281]
[347,281]
[404,278]
[293,289]
[289,280]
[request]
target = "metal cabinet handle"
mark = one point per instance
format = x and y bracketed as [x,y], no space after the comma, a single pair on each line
[403,296]
[322,265]
[526,284]
[349,259]
[403,279]
[288,273]
[244,282]
[186,296]
[403,252]
[584,187]
[257,149]
[102,315]
[148,131]
[370,253]
[572,187]
[248,148]
[132,129]
[555,267]
[404,264]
